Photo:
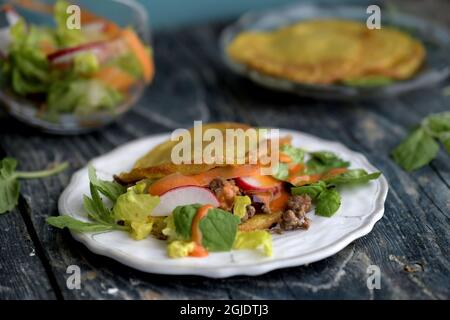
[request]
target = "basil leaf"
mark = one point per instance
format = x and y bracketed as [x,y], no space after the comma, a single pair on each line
[437,123]
[353,177]
[416,151]
[110,189]
[182,218]
[95,207]
[9,186]
[313,190]
[323,161]
[62,222]
[219,230]
[328,202]
[445,139]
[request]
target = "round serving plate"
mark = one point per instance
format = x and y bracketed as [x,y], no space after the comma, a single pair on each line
[361,208]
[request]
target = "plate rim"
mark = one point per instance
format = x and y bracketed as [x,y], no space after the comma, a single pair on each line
[223,272]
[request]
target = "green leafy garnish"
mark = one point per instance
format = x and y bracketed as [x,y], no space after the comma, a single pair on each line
[182,218]
[110,189]
[62,222]
[219,230]
[297,155]
[369,81]
[81,96]
[27,69]
[66,37]
[353,177]
[254,240]
[328,202]
[102,217]
[422,146]
[9,181]
[322,161]
[218,227]
[240,205]
[313,190]
[324,194]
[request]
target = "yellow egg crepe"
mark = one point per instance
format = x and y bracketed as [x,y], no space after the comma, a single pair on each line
[328,51]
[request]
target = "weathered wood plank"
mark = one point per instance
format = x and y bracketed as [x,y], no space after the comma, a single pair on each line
[22,273]
[193,84]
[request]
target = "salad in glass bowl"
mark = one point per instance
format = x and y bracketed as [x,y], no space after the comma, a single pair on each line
[66,79]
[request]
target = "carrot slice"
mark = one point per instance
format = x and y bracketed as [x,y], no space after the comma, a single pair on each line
[285,158]
[141,54]
[279,202]
[202,179]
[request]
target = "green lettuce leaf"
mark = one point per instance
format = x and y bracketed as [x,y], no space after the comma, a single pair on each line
[313,190]
[133,206]
[322,161]
[66,37]
[180,249]
[81,96]
[240,205]
[27,68]
[253,240]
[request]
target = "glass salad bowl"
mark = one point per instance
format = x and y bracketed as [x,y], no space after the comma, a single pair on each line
[67,73]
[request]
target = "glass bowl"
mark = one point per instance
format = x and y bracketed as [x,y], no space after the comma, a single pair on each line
[125,13]
[435,39]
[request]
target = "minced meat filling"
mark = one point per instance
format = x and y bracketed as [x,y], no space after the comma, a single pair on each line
[250,212]
[295,215]
[225,191]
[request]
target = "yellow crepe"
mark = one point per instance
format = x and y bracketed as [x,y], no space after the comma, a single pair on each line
[327,51]
[157,163]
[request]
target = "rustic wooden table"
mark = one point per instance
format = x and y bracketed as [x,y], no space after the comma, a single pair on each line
[410,244]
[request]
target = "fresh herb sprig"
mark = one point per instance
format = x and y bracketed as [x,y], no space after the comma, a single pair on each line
[9,181]
[422,145]
[102,217]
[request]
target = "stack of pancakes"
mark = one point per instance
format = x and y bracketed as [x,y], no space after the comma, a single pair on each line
[329,51]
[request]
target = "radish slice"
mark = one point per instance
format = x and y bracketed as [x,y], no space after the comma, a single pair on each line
[259,183]
[104,50]
[183,196]
[67,55]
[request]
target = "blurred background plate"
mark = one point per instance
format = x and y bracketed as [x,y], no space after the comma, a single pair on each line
[435,39]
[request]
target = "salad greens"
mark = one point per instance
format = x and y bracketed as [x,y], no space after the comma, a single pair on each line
[80,71]
[240,205]
[326,171]
[9,181]
[422,145]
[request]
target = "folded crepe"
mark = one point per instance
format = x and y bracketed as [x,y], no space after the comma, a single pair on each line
[157,163]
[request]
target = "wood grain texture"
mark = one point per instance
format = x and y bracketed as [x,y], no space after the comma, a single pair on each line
[410,244]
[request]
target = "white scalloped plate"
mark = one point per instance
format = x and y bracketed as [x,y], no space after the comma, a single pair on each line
[361,208]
